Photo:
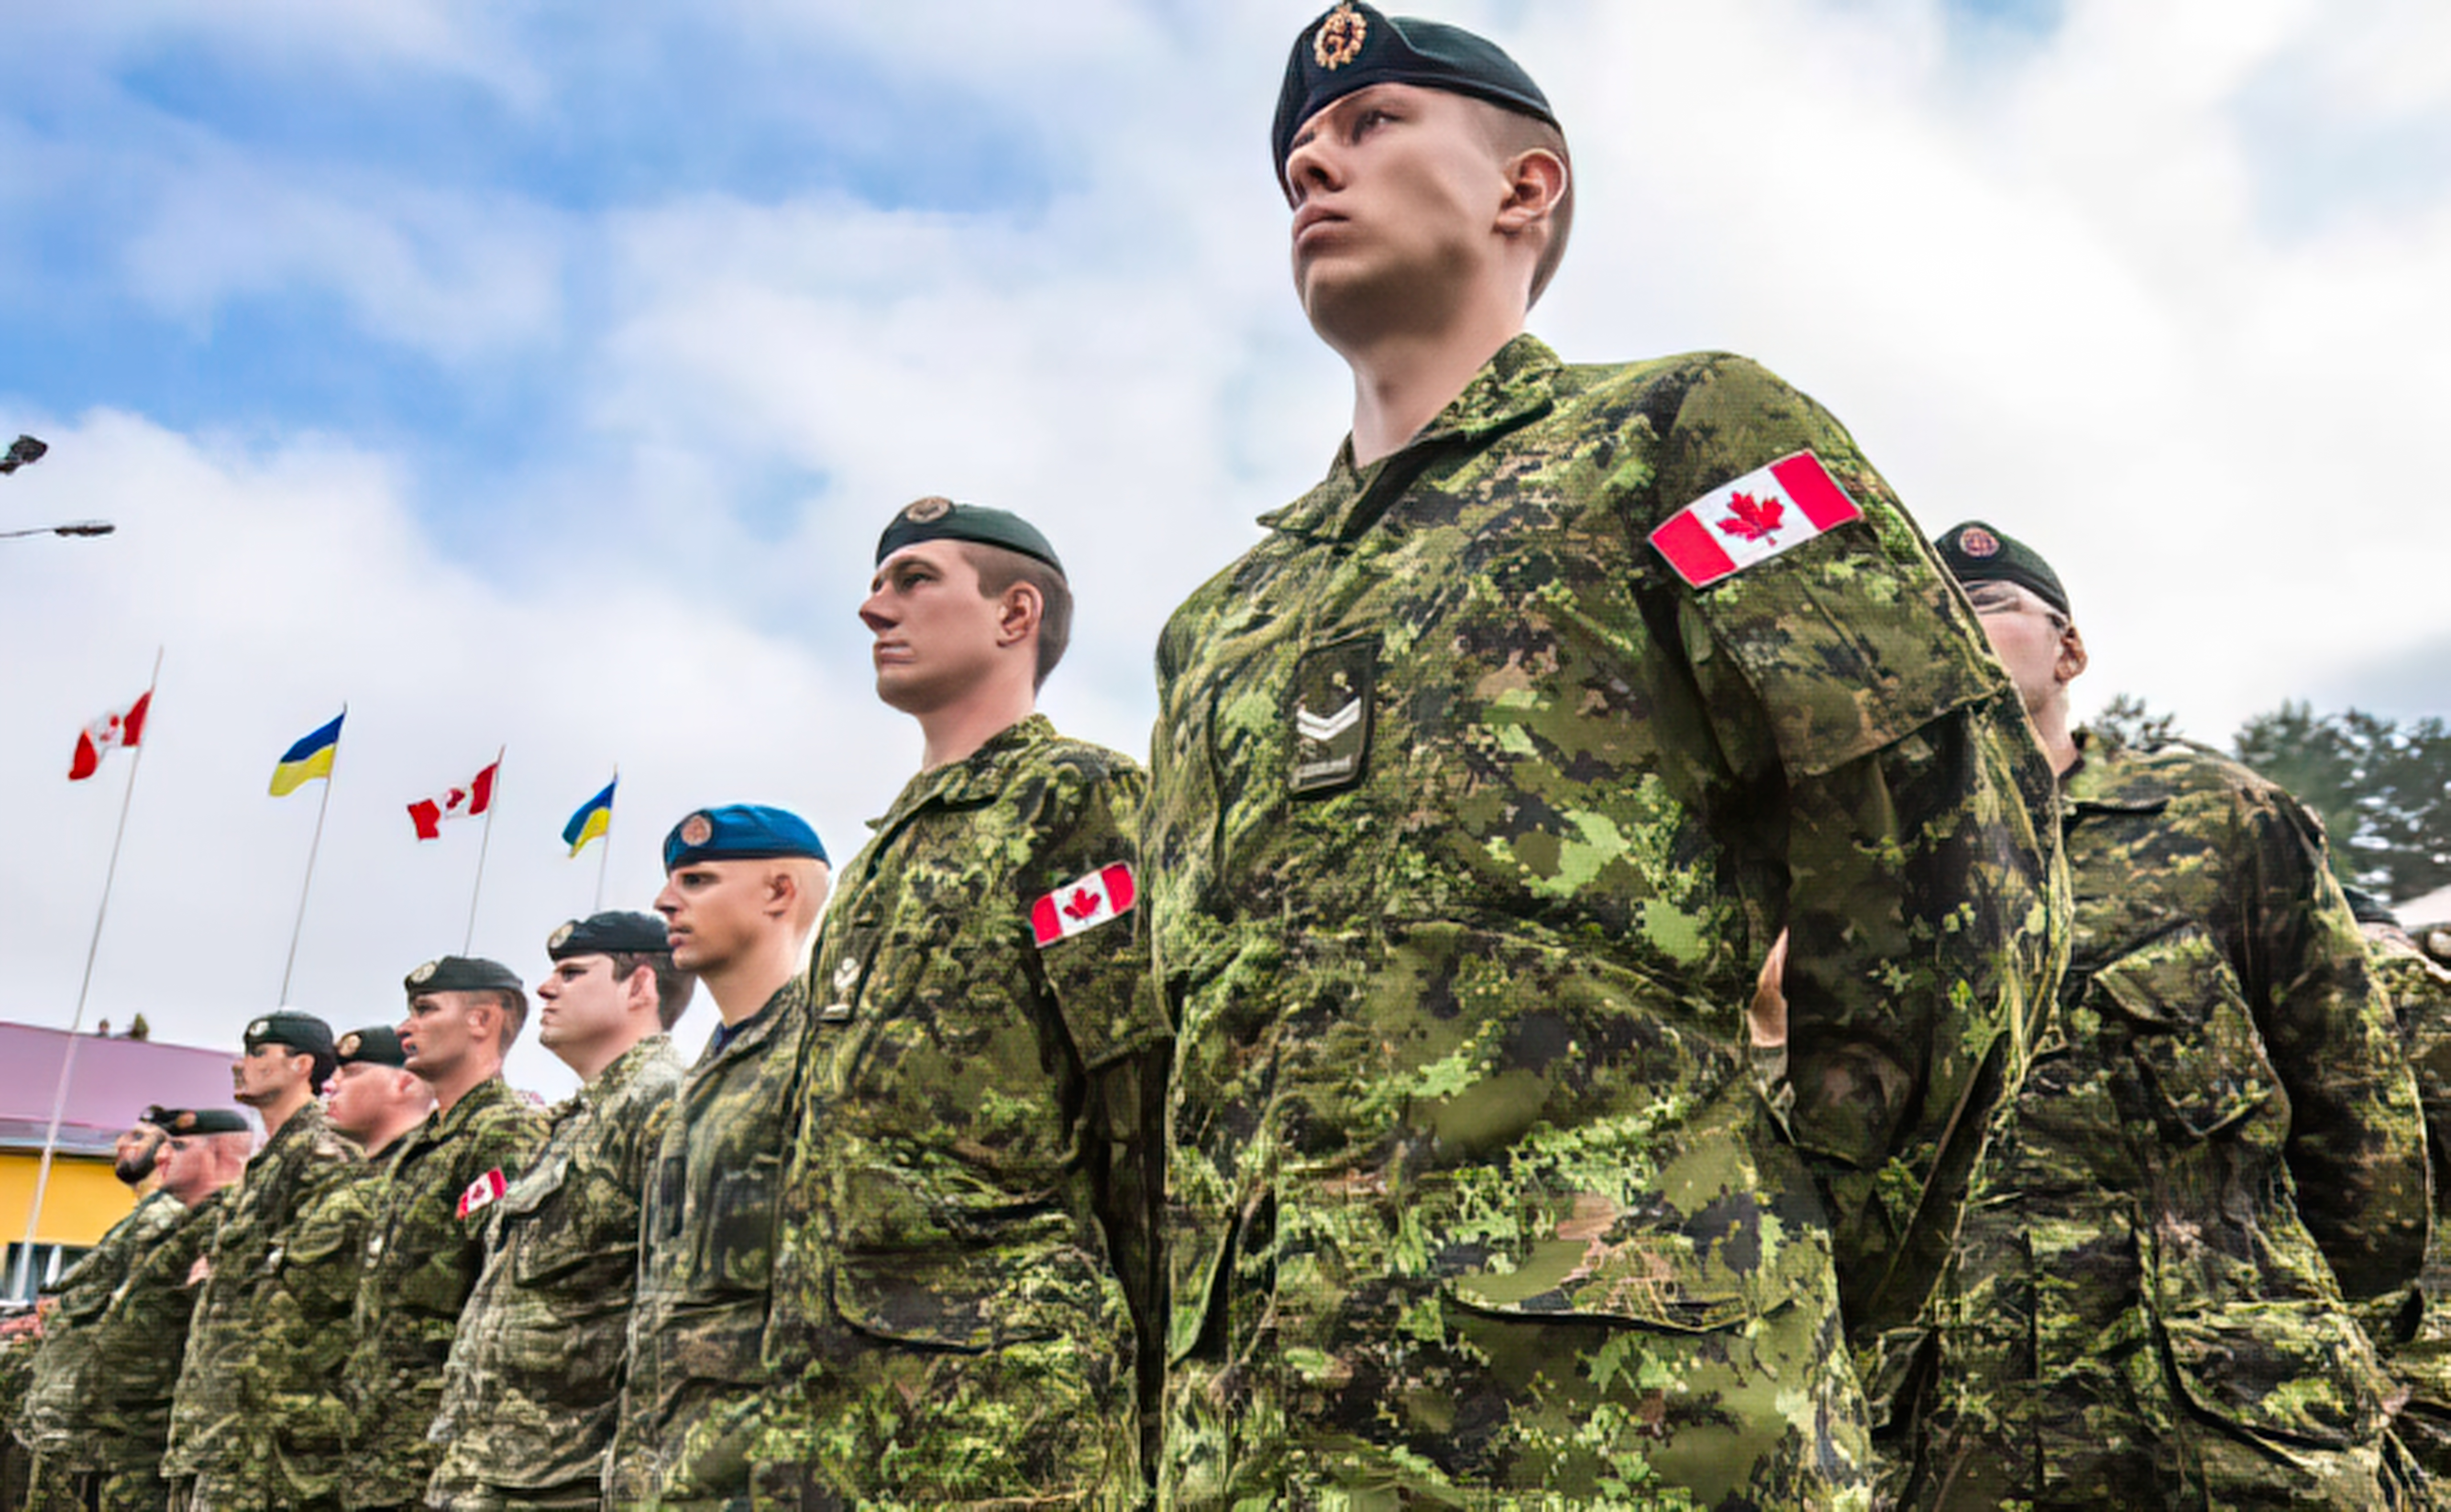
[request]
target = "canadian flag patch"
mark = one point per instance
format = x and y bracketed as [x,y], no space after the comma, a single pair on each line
[1765,512]
[1084,903]
[482,1191]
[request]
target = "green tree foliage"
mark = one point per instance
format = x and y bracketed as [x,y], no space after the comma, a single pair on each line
[2383,790]
[2127,719]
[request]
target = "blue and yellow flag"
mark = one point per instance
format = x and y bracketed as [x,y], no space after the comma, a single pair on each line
[308,759]
[594,817]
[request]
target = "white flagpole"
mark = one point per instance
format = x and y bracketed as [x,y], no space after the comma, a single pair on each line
[77,1022]
[604,859]
[493,801]
[304,888]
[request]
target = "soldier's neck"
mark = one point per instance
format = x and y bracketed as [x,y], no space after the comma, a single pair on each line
[956,732]
[741,988]
[2050,724]
[448,1092]
[278,1113]
[1403,378]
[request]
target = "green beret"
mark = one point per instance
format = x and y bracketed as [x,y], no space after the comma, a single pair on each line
[378,1045]
[943,520]
[609,934]
[159,1116]
[1974,552]
[287,1027]
[740,832]
[463,973]
[209,1121]
[1354,47]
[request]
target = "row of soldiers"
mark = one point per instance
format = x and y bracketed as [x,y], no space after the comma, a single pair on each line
[1619,987]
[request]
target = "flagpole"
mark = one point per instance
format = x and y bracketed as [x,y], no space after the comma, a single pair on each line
[77,1022]
[304,888]
[493,801]
[604,858]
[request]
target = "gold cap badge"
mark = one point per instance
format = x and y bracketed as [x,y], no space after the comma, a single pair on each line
[696,830]
[932,507]
[258,1029]
[426,974]
[561,936]
[349,1045]
[1339,39]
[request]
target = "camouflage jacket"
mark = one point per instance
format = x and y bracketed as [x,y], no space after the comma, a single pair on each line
[139,1342]
[62,1371]
[535,1376]
[2219,1108]
[974,1184]
[706,1254]
[214,1424]
[1471,821]
[2419,1348]
[424,1242]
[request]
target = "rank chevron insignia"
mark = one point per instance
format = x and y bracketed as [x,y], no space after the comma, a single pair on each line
[1324,730]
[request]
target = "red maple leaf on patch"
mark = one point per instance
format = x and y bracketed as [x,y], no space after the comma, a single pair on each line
[1753,519]
[1081,903]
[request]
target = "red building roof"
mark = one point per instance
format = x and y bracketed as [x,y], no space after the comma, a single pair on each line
[111,1082]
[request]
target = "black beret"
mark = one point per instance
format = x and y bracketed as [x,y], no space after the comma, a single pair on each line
[740,832]
[303,1033]
[1974,552]
[943,520]
[379,1046]
[608,935]
[159,1116]
[2368,908]
[1354,47]
[209,1121]
[463,973]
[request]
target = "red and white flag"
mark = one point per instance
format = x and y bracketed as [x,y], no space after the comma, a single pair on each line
[1084,904]
[454,804]
[1765,512]
[119,727]
[483,1192]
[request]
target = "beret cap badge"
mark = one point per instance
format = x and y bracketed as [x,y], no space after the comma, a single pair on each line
[349,1045]
[932,507]
[1976,541]
[561,936]
[258,1029]
[696,830]
[425,972]
[1339,39]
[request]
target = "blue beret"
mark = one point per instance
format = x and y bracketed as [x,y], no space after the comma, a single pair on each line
[936,519]
[739,832]
[1354,47]
[609,934]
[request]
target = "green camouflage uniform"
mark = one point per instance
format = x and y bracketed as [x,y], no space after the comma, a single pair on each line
[18,1352]
[2218,1109]
[706,1242]
[535,1377]
[124,1415]
[2421,996]
[421,1259]
[1470,825]
[969,1210]
[62,1373]
[218,1430]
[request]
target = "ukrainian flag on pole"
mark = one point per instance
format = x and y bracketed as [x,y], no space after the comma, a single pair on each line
[593,818]
[308,759]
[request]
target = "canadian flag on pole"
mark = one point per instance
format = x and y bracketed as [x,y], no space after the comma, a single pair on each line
[1083,903]
[1753,519]
[119,727]
[454,804]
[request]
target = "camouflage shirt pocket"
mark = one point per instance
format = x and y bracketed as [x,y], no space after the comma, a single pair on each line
[739,1245]
[2299,1372]
[2192,1040]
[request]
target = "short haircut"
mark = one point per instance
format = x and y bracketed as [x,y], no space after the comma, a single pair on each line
[1513,134]
[514,1004]
[999,569]
[673,985]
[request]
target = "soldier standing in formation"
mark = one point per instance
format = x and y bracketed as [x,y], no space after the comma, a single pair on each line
[222,1430]
[2217,1124]
[425,1239]
[373,1097]
[743,888]
[125,1411]
[535,1376]
[59,1375]
[1479,790]
[970,1207]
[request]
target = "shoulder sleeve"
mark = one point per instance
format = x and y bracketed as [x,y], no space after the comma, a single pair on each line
[1082,896]
[1847,641]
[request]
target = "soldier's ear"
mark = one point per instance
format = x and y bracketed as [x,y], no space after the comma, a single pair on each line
[2072,661]
[1019,609]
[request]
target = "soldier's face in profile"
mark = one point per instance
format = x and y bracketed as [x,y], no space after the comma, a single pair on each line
[184,1169]
[715,912]
[580,1002]
[935,632]
[136,1152]
[1396,189]
[356,1096]
[436,1036]
[260,1076]
[2034,640]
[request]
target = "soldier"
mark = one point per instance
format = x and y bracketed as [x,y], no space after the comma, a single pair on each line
[139,1340]
[535,1377]
[742,892]
[1480,788]
[2217,1111]
[969,1210]
[373,1097]
[221,1433]
[60,1374]
[425,1235]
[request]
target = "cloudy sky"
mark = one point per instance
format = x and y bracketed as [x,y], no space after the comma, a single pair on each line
[530,377]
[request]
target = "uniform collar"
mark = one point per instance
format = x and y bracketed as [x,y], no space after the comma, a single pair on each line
[486,1095]
[975,778]
[1512,388]
[626,1068]
[754,1030]
[2110,778]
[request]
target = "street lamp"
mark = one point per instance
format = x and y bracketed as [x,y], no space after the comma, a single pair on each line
[74,527]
